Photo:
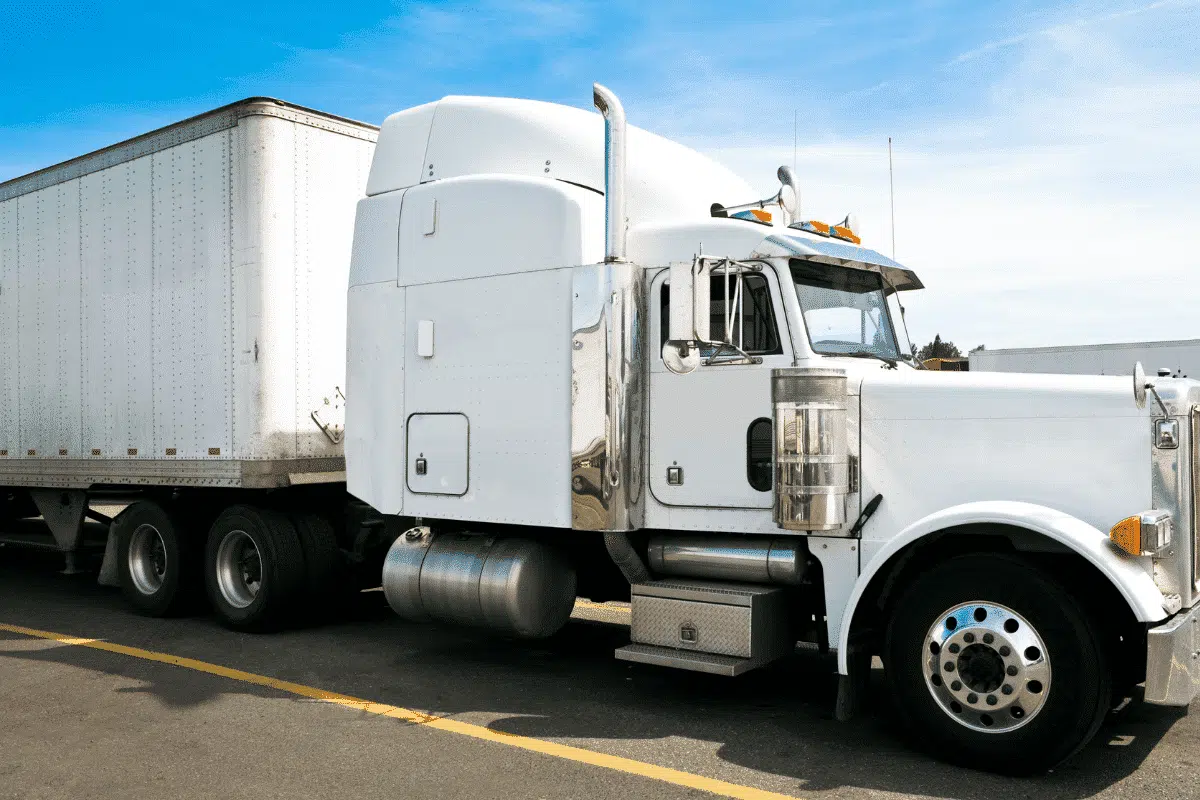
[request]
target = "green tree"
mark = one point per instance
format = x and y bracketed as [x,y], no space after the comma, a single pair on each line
[939,349]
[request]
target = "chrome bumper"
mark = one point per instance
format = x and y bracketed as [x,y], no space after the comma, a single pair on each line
[1173,660]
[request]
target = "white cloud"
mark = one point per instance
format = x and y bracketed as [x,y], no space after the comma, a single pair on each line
[1066,212]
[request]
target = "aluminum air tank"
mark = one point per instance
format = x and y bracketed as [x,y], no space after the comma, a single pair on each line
[812,459]
[757,559]
[515,586]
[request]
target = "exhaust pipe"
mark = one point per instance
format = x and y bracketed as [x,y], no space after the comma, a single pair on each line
[614,172]
[746,559]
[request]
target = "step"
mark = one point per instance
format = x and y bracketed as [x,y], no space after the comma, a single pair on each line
[692,660]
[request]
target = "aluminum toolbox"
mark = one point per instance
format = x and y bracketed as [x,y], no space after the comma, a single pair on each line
[708,626]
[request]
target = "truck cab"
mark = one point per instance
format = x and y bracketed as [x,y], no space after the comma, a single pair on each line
[578,352]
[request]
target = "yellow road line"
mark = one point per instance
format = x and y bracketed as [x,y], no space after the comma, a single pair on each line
[579,754]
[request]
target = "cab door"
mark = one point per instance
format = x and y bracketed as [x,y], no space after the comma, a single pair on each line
[710,430]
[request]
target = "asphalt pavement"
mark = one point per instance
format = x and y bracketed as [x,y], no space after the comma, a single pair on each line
[554,719]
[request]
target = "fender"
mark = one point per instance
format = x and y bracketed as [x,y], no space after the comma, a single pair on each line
[1123,571]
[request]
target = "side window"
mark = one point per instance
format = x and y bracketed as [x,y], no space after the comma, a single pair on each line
[760,334]
[759,446]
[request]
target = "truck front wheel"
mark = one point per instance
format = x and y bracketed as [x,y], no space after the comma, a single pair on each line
[993,665]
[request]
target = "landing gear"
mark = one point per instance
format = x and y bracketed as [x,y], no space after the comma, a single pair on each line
[994,666]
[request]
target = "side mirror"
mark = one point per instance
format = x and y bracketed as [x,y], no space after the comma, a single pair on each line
[789,192]
[1139,385]
[688,316]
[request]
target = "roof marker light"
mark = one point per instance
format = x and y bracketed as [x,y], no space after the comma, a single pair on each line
[847,230]
[812,226]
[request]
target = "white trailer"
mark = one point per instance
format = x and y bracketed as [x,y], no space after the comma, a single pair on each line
[584,360]
[171,320]
[1178,359]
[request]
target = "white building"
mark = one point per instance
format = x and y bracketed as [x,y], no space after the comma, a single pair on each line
[1180,358]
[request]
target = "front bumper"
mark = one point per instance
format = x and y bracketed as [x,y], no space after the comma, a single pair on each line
[1173,660]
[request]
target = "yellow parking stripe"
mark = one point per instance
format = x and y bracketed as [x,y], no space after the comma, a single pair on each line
[578,754]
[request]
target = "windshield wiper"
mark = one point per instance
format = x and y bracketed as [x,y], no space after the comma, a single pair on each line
[891,362]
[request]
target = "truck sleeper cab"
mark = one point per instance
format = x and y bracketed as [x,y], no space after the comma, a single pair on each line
[712,409]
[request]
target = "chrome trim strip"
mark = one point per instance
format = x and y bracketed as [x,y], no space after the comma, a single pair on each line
[1195,482]
[81,473]
[1171,482]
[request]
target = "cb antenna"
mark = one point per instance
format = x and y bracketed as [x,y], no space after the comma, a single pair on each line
[795,149]
[892,197]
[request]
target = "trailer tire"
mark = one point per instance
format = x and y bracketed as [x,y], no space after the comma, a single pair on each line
[253,568]
[157,566]
[991,664]
[322,557]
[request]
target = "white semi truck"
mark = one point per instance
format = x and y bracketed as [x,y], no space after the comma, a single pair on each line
[580,360]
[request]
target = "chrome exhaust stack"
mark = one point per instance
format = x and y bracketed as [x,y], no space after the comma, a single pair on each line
[614,172]
[608,360]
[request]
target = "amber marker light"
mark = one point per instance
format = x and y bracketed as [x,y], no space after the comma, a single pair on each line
[1146,534]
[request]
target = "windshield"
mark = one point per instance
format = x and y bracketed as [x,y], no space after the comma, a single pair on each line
[845,311]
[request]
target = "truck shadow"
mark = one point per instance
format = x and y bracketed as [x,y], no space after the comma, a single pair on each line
[776,721]
[780,721]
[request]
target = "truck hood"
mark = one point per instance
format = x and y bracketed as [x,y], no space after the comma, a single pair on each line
[932,440]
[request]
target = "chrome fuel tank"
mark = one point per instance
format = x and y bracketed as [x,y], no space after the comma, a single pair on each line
[515,586]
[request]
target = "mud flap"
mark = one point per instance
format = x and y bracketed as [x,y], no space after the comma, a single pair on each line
[108,568]
[852,689]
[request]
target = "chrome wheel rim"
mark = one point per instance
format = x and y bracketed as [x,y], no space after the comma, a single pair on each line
[986,666]
[147,559]
[239,569]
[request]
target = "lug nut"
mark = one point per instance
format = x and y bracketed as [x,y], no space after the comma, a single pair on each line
[988,638]
[950,667]
[1004,651]
[991,699]
[953,648]
[1012,670]
[956,685]
[968,638]
[972,698]
[1006,689]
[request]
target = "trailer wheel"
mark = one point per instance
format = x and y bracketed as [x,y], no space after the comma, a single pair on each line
[992,665]
[254,567]
[322,558]
[156,566]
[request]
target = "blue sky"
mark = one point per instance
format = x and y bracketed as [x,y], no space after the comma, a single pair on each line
[1046,184]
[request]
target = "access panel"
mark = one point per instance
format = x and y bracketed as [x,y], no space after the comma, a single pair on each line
[438,453]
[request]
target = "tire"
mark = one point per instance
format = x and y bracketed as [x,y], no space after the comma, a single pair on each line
[953,682]
[253,568]
[323,573]
[157,564]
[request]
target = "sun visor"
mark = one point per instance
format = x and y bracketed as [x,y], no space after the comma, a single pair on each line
[839,254]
